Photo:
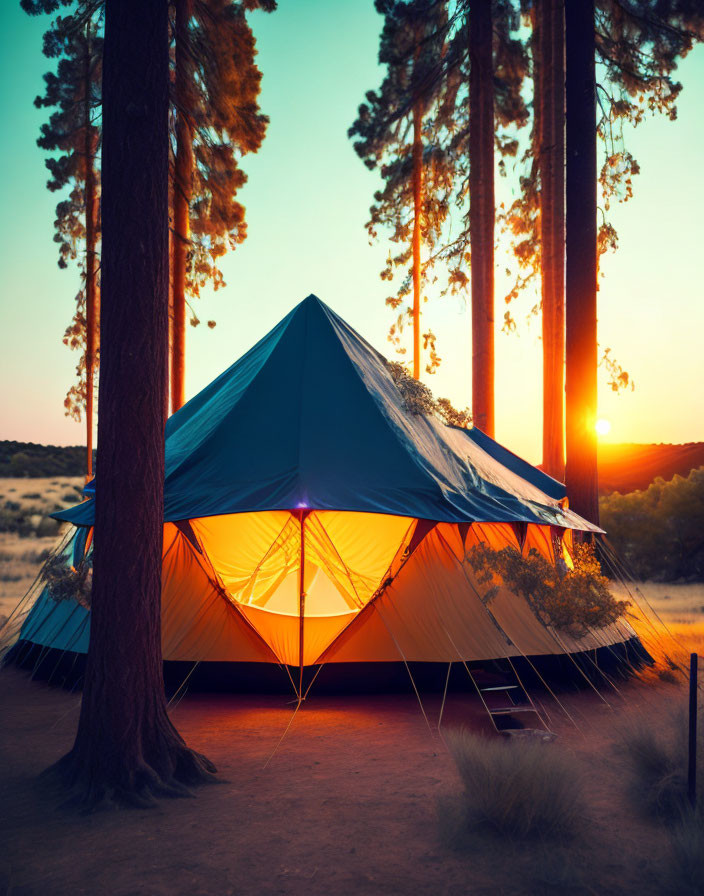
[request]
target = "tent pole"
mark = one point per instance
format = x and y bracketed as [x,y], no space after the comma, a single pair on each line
[301,600]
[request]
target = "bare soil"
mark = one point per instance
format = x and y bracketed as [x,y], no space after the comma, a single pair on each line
[351,802]
[347,805]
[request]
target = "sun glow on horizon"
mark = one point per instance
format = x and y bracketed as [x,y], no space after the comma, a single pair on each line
[602,426]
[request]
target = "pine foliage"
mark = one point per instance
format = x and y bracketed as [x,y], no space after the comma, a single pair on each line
[423,45]
[638,45]
[72,91]
[227,124]
[224,114]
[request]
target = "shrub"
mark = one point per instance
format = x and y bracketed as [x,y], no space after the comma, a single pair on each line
[47,527]
[35,556]
[572,600]
[658,531]
[521,790]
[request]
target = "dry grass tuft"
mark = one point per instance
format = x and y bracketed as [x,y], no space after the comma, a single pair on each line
[520,789]
[685,872]
[658,760]
[557,871]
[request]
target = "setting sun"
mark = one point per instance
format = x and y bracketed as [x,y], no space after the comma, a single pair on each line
[603,427]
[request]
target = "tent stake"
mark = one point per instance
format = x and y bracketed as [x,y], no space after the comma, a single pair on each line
[692,770]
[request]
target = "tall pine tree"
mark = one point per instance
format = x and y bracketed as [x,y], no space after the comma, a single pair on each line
[72,132]
[216,119]
[126,748]
[482,209]
[581,260]
[448,154]
[637,47]
[396,134]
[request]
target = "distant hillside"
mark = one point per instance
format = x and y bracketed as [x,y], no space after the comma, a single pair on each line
[28,459]
[627,468]
[622,468]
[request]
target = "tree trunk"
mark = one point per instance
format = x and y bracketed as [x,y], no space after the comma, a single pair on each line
[183,175]
[550,122]
[481,211]
[417,212]
[581,261]
[126,749]
[91,224]
[170,337]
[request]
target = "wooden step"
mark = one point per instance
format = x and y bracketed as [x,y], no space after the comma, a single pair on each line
[499,701]
[511,710]
[499,687]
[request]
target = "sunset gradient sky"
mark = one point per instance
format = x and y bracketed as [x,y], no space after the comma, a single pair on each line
[307,201]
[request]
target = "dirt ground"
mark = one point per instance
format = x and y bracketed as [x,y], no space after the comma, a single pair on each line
[347,805]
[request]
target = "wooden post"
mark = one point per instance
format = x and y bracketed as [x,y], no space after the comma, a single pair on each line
[692,770]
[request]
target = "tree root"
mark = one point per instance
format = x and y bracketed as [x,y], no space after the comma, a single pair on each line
[90,781]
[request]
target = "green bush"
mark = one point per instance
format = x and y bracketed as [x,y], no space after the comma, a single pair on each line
[659,531]
[523,790]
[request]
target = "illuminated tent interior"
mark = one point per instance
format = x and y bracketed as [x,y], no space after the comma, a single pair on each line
[311,518]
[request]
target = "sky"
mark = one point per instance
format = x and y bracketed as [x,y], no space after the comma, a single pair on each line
[307,201]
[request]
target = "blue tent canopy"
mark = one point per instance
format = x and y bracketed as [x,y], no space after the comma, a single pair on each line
[516,464]
[311,417]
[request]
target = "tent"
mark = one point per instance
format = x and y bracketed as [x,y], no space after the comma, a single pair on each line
[311,518]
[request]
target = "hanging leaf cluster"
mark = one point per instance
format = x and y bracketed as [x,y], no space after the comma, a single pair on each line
[574,601]
[418,398]
[66,582]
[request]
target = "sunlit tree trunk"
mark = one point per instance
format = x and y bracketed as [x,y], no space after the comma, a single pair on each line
[170,339]
[481,211]
[550,121]
[417,212]
[183,175]
[91,225]
[581,260]
[126,748]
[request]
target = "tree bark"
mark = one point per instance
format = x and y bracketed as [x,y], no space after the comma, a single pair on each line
[170,312]
[482,211]
[550,122]
[581,260]
[417,212]
[91,225]
[126,749]
[183,175]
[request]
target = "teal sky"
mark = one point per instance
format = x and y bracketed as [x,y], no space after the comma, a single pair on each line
[307,201]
